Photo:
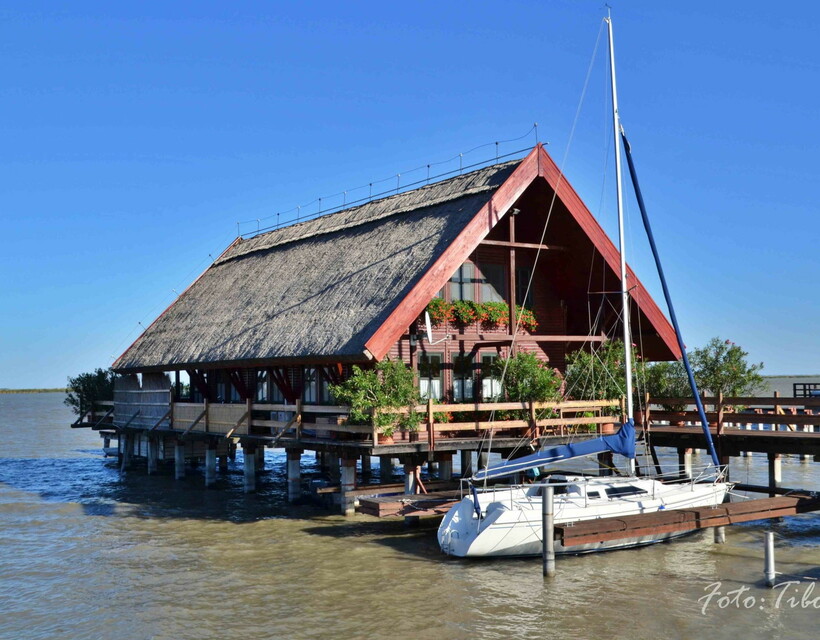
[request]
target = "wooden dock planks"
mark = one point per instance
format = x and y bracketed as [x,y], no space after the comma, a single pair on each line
[681,520]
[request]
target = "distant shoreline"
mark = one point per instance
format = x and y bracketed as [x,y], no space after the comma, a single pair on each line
[59,390]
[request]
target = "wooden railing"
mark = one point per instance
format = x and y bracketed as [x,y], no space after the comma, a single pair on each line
[330,421]
[738,411]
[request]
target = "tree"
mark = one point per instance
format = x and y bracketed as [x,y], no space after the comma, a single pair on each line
[599,374]
[668,380]
[528,379]
[371,393]
[721,367]
[85,389]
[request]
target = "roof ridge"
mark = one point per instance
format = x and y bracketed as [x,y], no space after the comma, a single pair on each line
[478,181]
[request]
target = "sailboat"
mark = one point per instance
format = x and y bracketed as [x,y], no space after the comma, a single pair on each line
[505,520]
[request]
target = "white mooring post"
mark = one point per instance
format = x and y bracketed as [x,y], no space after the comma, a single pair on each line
[720,535]
[548,530]
[768,568]
[179,460]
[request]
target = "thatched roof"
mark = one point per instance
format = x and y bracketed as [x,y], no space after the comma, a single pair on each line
[317,290]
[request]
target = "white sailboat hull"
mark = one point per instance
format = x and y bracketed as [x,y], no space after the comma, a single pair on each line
[510,524]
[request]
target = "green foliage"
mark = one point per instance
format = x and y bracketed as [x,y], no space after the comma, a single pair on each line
[668,380]
[526,318]
[85,389]
[490,314]
[494,314]
[465,312]
[371,393]
[722,367]
[528,378]
[599,374]
[440,311]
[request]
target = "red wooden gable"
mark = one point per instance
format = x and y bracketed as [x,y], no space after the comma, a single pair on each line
[537,165]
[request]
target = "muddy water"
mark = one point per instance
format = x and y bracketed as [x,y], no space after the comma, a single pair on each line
[86,553]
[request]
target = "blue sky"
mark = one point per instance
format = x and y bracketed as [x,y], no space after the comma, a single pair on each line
[135,136]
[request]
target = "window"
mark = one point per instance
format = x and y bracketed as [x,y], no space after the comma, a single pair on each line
[463,378]
[325,397]
[276,395]
[430,376]
[461,284]
[620,492]
[493,282]
[522,279]
[594,495]
[310,388]
[490,385]
[262,384]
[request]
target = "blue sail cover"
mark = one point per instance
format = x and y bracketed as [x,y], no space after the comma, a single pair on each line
[622,442]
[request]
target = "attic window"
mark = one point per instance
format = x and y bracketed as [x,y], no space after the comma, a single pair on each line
[461,284]
[493,282]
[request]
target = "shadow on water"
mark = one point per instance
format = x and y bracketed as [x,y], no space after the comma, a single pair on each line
[100,490]
[419,540]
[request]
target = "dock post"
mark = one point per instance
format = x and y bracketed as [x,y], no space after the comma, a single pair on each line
[210,464]
[294,474]
[367,468]
[348,483]
[249,456]
[768,567]
[805,457]
[411,488]
[720,535]
[466,463]
[775,472]
[483,460]
[385,468]
[548,530]
[179,460]
[260,458]
[152,452]
[685,462]
[223,463]
[128,451]
[445,466]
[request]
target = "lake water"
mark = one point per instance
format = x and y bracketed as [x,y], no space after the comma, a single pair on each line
[88,553]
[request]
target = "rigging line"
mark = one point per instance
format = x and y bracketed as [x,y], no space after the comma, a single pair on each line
[432,164]
[361,201]
[549,215]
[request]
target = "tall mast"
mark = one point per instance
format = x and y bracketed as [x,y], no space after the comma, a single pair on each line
[616,130]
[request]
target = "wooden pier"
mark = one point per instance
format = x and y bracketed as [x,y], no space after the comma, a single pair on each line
[683,520]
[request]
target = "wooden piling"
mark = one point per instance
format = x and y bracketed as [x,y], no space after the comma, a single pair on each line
[347,468]
[466,463]
[720,534]
[385,468]
[367,468]
[445,466]
[152,453]
[179,460]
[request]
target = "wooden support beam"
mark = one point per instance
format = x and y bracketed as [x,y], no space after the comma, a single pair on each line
[522,245]
[159,422]
[197,379]
[195,422]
